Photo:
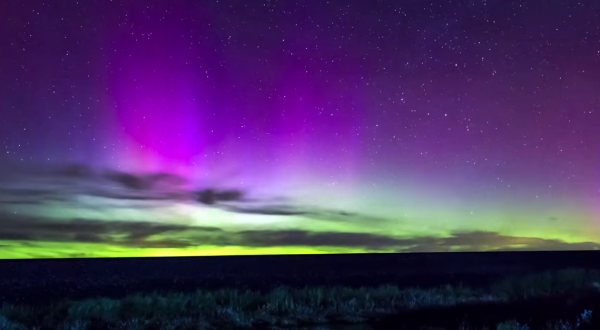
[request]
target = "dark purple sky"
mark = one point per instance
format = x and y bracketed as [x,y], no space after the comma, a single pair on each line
[489,105]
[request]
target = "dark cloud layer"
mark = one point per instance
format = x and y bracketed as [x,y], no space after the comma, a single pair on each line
[212,196]
[133,191]
[153,235]
[45,183]
[269,210]
[145,182]
[123,233]
[41,185]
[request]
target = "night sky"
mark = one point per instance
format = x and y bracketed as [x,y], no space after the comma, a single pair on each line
[182,127]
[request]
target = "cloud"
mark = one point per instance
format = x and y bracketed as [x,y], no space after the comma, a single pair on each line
[311,213]
[67,184]
[491,241]
[38,186]
[27,196]
[288,238]
[76,171]
[141,182]
[157,235]
[212,196]
[129,181]
[16,236]
[267,210]
[122,233]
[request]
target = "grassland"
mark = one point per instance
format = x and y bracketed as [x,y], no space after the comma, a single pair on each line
[287,307]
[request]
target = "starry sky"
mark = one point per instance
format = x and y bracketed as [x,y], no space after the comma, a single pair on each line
[218,127]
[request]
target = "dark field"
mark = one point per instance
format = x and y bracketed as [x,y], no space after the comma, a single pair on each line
[540,290]
[40,281]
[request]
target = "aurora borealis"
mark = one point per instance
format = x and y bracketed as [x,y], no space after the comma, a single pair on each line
[176,127]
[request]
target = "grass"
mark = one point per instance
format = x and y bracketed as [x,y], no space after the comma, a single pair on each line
[282,307]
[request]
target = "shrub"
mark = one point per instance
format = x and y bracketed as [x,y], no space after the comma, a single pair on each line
[511,325]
